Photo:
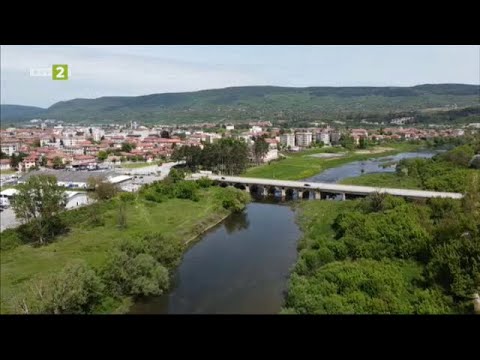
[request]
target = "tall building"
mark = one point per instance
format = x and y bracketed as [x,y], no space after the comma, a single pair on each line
[335,137]
[287,140]
[304,139]
[323,137]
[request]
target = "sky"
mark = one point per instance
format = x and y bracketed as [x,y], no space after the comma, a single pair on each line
[132,70]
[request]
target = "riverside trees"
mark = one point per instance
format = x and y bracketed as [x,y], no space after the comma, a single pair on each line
[227,156]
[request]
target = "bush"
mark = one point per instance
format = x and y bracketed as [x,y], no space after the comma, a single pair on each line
[167,251]
[135,274]
[365,287]
[9,239]
[127,197]
[233,199]
[204,182]
[186,190]
[75,290]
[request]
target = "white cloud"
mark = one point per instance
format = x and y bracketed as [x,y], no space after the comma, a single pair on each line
[103,72]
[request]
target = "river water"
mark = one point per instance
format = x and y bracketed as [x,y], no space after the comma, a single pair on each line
[241,266]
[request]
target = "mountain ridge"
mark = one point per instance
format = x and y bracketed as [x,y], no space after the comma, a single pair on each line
[254,102]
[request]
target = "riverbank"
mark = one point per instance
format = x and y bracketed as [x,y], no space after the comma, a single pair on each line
[177,219]
[384,180]
[303,165]
[362,257]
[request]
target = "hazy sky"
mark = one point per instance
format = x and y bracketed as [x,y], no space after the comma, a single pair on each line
[138,70]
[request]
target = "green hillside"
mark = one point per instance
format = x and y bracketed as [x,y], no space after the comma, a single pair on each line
[268,103]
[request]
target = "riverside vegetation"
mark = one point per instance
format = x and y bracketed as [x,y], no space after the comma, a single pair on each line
[105,255]
[386,255]
[448,171]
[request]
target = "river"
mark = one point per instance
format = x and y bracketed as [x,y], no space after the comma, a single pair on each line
[241,266]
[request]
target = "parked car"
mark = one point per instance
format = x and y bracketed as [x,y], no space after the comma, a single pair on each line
[306,184]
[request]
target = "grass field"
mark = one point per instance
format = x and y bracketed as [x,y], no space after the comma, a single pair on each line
[180,219]
[138,165]
[390,180]
[301,165]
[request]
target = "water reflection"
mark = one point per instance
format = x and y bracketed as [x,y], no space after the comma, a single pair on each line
[236,222]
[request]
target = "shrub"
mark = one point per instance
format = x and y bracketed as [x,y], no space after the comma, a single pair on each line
[77,289]
[127,197]
[204,182]
[9,239]
[186,190]
[233,199]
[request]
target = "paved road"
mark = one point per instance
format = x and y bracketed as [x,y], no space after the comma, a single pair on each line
[334,188]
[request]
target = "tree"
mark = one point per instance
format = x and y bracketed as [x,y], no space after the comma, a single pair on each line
[165,134]
[90,131]
[58,163]
[61,143]
[17,159]
[363,143]
[135,273]
[365,287]
[260,149]
[36,143]
[103,190]
[475,162]
[77,289]
[127,147]
[461,155]
[347,142]
[4,155]
[38,202]
[43,161]
[102,138]
[102,155]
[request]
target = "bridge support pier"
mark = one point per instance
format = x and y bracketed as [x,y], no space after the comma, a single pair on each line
[343,196]
[300,194]
[247,188]
[283,192]
[317,195]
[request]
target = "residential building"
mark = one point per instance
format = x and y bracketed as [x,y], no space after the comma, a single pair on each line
[5,164]
[323,137]
[303,139]
[9,147]
[287,139]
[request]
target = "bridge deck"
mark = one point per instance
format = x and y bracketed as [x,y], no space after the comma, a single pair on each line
[333,188]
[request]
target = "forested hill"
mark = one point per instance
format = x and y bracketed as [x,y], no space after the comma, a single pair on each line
[264,103]
[20,112]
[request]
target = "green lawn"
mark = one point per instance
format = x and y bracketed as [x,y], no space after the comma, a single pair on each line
[301,165]
[181,219]
[390,180]
[138,165]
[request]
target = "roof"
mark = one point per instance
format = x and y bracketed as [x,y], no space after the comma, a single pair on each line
[9,192]
[119,179]
[70,176]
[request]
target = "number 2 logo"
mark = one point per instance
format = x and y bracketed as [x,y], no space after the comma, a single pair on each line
[60,72]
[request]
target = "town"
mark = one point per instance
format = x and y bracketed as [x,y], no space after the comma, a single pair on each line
[55,146]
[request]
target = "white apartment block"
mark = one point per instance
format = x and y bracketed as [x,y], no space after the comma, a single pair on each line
[287,140]
[9,148]
[303,139]
[323,137]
